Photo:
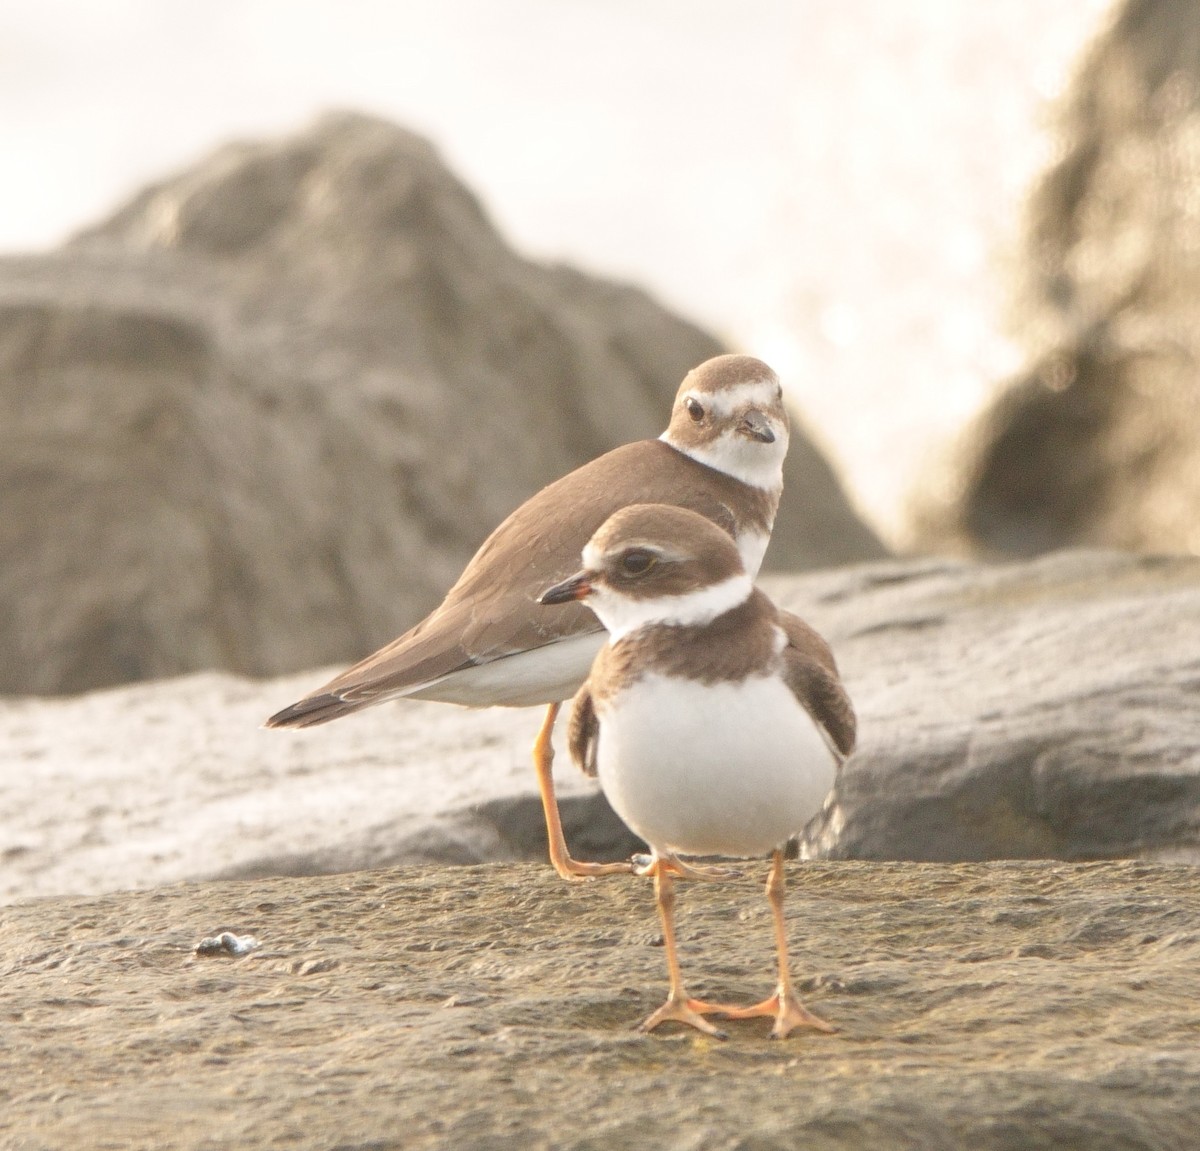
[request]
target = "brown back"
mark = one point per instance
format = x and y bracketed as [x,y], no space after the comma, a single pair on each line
[491,611]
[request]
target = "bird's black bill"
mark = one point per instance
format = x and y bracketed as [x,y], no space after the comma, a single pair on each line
[577,587]
[757,427]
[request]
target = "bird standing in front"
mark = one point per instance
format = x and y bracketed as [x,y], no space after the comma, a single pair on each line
[489,644]
[716,722]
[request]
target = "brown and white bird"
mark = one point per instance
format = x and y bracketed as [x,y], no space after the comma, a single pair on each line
[715,721]
[490,644]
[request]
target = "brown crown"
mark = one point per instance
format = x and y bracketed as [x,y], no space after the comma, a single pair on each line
[685,552]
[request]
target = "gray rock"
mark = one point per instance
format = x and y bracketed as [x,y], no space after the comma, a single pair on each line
[1004,1007]
[262,417]
[1037,710]
[156,782]
[1043,709]
[1097,443]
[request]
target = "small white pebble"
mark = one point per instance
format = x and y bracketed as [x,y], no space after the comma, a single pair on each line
[226,944]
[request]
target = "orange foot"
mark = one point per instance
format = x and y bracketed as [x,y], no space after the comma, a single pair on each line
[789,1013]
[574,870]
[649,864]
[688,1011]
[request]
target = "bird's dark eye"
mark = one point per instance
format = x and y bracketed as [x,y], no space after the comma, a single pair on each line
[637,562]
[695,408]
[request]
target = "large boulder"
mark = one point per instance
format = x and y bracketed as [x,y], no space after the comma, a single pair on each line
[1038,710]
[261,417]
[1098,442]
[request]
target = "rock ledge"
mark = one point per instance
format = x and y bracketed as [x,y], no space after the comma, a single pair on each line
[1001,1006]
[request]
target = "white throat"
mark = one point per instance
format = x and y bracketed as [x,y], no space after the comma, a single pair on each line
[757,464]
[622,615]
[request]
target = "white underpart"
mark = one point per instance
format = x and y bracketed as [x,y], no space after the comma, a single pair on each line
[780,641]
[762,394]
[622,614]
[742,457]
[753,546]
[544,674]
[730,768]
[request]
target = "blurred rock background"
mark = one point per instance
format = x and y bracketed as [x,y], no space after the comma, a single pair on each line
[264,386]
[1097,440]
[263,398]
[836,187]
[265,414]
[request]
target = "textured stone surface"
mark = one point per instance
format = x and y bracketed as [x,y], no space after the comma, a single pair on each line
[262,417]
[1042,709]
[1098,442]
[1004,1007]
[151,783]
[1036,709]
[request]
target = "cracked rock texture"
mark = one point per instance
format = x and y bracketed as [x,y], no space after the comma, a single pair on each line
[1002,1007]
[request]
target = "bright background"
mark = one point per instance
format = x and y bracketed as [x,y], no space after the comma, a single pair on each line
[835,187]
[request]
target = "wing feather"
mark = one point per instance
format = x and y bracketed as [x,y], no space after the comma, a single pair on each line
[583,731]
[811,673]
[487,615]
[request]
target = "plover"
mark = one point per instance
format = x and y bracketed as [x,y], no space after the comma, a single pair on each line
[715,722]
[490,644]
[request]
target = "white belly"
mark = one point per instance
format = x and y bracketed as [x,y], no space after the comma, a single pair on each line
[721,769]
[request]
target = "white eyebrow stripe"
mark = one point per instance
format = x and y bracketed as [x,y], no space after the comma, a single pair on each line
[722,404]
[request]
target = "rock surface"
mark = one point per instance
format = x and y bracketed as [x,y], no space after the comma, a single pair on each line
[1004,1007]
[1038,710]
[1041,709]
[142,785]
[1098,443]
[262,417]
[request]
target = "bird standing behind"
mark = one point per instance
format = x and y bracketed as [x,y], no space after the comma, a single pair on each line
[489,643]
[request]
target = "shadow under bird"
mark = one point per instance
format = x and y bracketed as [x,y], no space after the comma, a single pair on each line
[715,721]
[489,643]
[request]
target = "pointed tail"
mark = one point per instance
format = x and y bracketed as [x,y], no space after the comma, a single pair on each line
[314,710]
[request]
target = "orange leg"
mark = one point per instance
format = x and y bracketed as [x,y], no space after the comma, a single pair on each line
[788,1011]
[543,762]
[678,1007]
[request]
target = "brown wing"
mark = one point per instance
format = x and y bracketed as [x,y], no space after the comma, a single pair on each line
[491,611]
[813,677]
[583,731]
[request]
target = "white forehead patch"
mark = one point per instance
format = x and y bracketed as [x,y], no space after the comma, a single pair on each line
[623,615]
[757,393]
